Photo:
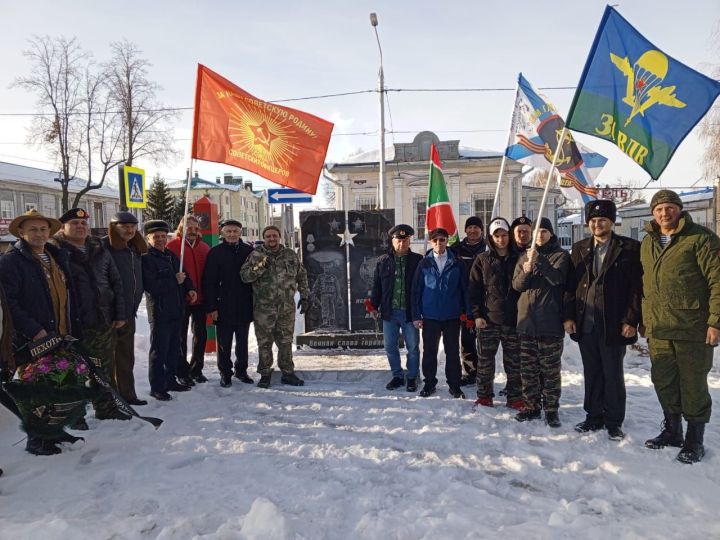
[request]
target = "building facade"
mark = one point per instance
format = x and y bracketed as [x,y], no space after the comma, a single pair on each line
[235,199]
[23,188]
[471,176]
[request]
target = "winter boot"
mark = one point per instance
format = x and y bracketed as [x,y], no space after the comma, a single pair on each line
[456,393]
[41,447]
[671,435]
[242,376]
[264,381]
[292,379]
[693,449]
[528,414]
[589,425]
[395,382]
[428,389]
[552,419]
[411,384]
[225,381]
[468,380]
[615,433]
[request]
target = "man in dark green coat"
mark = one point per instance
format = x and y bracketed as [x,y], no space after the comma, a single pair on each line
[681,316]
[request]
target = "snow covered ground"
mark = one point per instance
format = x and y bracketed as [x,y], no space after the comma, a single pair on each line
[343,458]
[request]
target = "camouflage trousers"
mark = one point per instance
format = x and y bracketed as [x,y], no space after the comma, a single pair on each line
[488,341]
[98,343]
[540,371]
[274,324]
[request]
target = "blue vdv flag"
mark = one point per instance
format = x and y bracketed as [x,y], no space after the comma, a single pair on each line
[536,129]
[634,95]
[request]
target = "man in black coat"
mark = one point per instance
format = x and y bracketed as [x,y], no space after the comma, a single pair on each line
[166,287]
[40,295]
[391,300]
[467,250]
[602,312]
[126,245]
[229,301]
[100,298]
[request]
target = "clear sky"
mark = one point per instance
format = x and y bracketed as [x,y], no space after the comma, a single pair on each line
[285,49]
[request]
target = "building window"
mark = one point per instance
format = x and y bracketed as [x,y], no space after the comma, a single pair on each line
[7,209]
[365,203]
[419,211]
[98,216]
[483,206]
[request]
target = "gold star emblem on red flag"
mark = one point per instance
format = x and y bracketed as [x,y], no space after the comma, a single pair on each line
[263,136]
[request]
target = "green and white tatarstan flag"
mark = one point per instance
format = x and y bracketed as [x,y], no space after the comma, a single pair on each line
[439,211]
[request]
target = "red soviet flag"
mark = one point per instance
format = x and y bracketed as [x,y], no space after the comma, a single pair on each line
[281,144]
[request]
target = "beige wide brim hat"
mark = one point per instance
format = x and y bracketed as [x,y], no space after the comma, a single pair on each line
[16,223]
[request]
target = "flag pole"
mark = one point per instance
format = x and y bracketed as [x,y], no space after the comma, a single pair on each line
[496,201]
[547,186]
[185,211]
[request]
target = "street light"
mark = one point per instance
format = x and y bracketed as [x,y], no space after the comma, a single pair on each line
[381,88]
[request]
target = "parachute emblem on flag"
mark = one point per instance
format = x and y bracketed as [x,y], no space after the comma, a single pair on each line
[643,88]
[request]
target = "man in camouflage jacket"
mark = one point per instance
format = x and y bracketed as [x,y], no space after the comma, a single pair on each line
[681,316]
[276,273]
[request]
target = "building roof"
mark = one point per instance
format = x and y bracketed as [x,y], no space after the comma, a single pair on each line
[44,178]
[200,183]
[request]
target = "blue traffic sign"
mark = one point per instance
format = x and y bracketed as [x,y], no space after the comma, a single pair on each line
[287,196]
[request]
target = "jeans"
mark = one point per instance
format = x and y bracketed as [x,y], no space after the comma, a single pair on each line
[391,332]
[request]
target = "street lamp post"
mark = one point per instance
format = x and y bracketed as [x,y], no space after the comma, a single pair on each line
[381,88]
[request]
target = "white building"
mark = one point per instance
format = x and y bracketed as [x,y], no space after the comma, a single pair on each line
[471,176]
[23,188]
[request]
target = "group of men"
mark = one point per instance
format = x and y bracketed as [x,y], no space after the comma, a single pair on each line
[481,293]
[527,294]
[59,280]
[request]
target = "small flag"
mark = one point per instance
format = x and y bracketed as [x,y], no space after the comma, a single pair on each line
[439,211]
[637,97]
[537,127]
[284,145]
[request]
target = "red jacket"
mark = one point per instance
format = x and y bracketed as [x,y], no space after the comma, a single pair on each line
[194,262]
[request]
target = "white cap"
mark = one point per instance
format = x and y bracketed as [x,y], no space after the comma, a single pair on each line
[498,223]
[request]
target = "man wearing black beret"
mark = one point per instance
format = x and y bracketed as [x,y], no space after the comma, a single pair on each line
[602,313]
[391,300]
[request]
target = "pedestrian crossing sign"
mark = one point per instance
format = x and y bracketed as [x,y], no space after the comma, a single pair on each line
[134,184]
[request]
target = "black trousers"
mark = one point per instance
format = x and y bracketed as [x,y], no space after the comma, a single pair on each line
[197,315]
[469,354]
[225,334]
[431,332]
[604,378]
[164,351]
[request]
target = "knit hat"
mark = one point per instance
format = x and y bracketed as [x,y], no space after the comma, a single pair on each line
[498,223]
[546,224]
[474,220]
[665,196]
[600,209]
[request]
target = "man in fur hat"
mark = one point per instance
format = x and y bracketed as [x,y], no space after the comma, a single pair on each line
[126,245]
[602,312]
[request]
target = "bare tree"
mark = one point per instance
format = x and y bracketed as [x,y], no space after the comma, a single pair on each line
[146,125]
[710,126]
[100,144]
[57,67]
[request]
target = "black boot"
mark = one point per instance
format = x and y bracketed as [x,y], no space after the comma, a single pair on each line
[395,382]
[693,449]
[41,447]
[552,419]
[264,381]
[671,435]
[291,379]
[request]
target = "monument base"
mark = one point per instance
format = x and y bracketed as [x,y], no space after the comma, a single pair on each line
[340,340]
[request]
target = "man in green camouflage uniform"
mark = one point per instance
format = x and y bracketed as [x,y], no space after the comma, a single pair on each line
[681,318]
[276,273]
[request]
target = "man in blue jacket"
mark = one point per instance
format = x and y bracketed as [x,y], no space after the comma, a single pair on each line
[439,299]
[391,300]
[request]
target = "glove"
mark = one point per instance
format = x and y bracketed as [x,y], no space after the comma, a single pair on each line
[304,305]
